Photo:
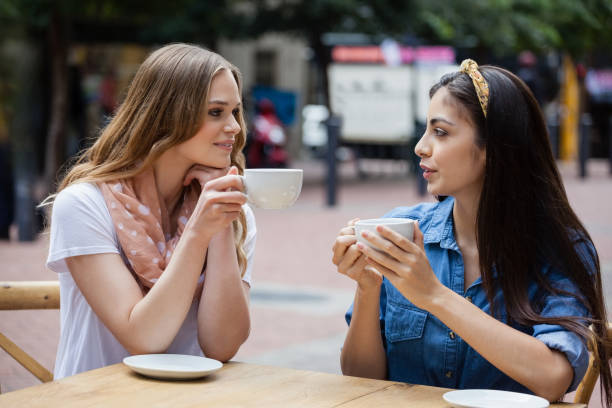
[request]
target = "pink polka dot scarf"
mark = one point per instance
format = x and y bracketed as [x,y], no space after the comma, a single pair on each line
[142,223]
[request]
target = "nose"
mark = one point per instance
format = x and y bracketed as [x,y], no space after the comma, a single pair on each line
[233,127]
[422,148]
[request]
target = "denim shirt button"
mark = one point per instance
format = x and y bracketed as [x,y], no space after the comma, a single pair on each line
[451,335]
[449,374]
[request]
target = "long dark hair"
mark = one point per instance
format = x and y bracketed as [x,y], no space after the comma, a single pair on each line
[524,218]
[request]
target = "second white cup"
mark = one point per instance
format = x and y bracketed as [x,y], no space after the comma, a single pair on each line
[403,226]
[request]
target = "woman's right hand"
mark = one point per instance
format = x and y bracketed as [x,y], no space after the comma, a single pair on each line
[351,262]
[219,203]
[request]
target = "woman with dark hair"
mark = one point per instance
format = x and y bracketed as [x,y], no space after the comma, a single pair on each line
[501,282]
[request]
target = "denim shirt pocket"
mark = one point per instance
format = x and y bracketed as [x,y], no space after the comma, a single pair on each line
[403,321]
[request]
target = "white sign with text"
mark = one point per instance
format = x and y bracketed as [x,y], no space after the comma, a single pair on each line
[375,102]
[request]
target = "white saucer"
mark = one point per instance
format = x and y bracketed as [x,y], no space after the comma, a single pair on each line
[493,399]
[172,366]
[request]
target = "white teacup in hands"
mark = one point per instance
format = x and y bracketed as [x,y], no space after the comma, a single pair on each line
[273,188]
[403,226]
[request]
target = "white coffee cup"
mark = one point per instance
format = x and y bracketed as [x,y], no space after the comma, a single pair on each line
[273,188]
[403,226]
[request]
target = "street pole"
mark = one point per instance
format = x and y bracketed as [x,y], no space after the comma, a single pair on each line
[26,56]
[334,124]
[584,143]
[610,142]
[553,133]
[419,128]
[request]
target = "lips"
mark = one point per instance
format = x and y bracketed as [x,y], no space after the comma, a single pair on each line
[227,145]
[427,171]
[425,168]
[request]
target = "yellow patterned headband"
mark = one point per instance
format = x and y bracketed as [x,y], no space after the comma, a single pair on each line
[470,67]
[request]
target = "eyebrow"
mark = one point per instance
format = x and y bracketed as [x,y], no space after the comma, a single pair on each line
[220,102]
[433,121]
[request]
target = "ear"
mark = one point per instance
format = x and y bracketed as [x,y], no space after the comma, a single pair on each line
[480,156]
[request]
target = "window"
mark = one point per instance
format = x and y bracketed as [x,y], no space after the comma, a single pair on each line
[265,67]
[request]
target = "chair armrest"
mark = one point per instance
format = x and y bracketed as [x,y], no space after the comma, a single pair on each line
[20,295]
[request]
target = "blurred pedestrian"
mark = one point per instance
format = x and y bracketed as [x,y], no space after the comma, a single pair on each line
[267,144]
[528,72]
[108,92]
[150,208]
[501,281]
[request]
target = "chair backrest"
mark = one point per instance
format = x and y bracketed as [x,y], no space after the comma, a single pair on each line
[28,295]
[586,386]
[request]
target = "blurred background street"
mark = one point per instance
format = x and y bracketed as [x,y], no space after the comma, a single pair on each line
[336,87]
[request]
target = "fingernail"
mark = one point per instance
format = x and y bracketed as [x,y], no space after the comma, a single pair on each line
[365,234]
[360,245]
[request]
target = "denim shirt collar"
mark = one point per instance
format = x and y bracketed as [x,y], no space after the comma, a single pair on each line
[440,229]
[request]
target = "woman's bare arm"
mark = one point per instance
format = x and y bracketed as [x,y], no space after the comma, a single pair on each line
[142,324]
[223,316]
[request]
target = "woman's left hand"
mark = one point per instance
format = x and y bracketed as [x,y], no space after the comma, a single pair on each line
[218,203]
[203,174]
[404,263]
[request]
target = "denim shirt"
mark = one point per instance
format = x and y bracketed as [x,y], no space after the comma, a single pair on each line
[420,349]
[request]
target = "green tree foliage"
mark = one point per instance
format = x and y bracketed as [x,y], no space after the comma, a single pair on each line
[155,21]
[503,26]
[498,26]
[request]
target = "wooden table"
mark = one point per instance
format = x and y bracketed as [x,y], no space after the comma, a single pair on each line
[235,385]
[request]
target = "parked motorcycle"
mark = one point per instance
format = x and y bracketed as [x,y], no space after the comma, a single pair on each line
[268,138]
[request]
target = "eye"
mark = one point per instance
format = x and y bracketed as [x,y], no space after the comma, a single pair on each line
[236,112]
[440,132]
[215,112]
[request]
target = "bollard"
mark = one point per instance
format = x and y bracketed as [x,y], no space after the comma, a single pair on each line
[584,143]
[26,57]
[553,127]
[419,129]
[421,182]
[610,143]
[334,124]
[24,208]
[553,133]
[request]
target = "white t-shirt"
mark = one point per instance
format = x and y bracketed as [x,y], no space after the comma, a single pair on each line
[82,225]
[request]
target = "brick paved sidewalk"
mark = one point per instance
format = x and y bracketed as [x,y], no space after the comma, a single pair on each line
[298,300]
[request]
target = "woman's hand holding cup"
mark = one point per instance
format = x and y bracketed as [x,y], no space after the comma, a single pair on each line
[351,262]
[403,261]
[220,200]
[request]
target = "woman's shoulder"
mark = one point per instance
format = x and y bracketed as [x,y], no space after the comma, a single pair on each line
[420,212]
[79,197]
[78,192]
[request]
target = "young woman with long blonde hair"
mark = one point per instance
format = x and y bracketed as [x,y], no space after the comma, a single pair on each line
[150,234]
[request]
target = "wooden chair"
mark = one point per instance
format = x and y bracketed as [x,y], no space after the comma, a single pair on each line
[585,388]
[22,296]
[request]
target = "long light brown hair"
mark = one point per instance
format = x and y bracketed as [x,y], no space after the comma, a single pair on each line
[165,105]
